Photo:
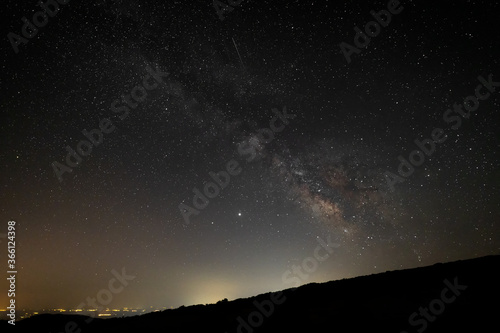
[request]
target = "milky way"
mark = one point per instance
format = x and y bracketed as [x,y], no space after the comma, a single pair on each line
[339,185]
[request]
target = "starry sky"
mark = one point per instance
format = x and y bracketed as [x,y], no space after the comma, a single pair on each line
[322,175]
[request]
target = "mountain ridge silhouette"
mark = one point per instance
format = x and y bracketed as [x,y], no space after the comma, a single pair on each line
[378,302]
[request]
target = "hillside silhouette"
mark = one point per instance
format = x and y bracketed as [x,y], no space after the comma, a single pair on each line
[467,302]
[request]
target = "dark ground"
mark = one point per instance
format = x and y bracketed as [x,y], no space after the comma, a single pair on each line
[377,303]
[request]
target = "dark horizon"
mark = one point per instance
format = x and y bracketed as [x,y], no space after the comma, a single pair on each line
[148,309]
[438,298]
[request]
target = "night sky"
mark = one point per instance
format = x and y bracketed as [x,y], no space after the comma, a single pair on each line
[219,89]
